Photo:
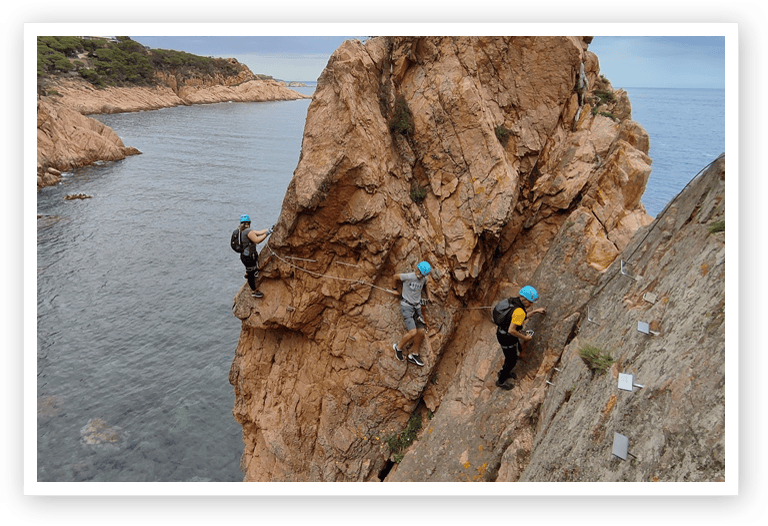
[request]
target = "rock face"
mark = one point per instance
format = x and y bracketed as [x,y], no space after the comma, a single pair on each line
[67,139]
[522,183]
[558,424]
[675,423]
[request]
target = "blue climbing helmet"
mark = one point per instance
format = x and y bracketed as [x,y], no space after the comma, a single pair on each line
[424,268]
[529,293]
[245,219]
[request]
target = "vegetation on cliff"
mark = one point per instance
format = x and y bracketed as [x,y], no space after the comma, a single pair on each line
[121,61]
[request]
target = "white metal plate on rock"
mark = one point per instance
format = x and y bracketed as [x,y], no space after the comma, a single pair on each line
[626,381]
[620,446]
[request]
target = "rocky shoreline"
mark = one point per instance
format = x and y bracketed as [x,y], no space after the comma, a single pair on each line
[68,139]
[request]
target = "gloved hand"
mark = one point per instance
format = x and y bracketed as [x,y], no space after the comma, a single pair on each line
[424,301]
[270,230]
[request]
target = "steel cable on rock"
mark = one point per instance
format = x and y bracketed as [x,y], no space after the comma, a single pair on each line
[320,275]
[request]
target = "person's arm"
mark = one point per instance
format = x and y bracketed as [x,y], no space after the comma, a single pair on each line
[257,236]
[516,325]
[540,310]
[519,335]
[397,280]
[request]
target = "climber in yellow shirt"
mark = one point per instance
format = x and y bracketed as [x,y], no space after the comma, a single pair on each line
[509,315]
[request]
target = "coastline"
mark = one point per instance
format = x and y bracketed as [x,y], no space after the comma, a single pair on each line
[67,138]
[87,100]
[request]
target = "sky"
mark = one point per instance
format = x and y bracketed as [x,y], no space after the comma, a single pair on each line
[627,61]
[638,55]
[300,58]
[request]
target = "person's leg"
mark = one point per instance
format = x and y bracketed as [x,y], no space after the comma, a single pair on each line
[407,338]
[508,345]
[418,337]
[410,326]
[414,357]
[510,360]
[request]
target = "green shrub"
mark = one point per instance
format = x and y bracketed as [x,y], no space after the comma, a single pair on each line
[418,193]
[595,358]
[502,134]
[604,97]
[717,226]
[609,115]
[400,442]
[402,118]
[123,61]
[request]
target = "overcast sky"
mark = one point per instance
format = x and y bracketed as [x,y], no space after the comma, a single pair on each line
[639,55]
[282,57]
[627,61]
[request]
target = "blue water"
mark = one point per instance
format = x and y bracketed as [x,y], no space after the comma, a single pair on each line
[135,285]
[687,132]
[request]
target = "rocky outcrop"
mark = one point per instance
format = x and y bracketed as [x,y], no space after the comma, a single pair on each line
[499,137]
[67,139]
[171,91]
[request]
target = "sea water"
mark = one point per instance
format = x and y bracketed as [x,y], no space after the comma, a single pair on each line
[135,284]
[135,289]
[687,132]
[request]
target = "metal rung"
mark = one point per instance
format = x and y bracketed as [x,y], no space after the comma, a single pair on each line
[649,297]
[620,446]
[623,272]
[627,382]
[645,328]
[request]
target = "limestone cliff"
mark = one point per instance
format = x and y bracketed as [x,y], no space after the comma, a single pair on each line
[480,155]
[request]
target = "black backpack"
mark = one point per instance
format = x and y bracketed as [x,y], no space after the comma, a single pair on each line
[236,242]
[502,312]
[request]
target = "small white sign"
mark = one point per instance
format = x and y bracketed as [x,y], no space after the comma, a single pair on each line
[626,381]
[620,446]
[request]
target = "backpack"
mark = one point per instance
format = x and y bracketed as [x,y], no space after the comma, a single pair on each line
[236,242]
[502,312]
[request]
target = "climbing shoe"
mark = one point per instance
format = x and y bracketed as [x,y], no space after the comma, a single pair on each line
[398,352]
[506,385]
[414,358]
[257,294]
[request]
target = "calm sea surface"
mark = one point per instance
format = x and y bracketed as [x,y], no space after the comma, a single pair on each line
[687,131]
[135,285]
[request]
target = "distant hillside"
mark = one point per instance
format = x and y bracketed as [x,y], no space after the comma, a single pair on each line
[121,61]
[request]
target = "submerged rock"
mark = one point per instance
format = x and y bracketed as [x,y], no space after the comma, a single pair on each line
[100,435]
